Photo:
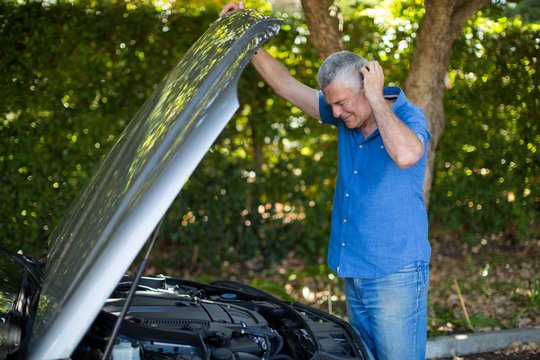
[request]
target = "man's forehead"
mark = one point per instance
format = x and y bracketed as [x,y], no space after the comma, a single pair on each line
[336,91]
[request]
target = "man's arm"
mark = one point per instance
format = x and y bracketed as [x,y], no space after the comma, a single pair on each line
[402,144]
[276,75]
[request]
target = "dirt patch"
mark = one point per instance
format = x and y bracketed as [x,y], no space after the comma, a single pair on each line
[484,287]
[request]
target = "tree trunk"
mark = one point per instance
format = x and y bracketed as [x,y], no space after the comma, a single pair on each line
[323,20]
[425,84]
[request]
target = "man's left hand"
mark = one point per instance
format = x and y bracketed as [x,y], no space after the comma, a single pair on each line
[373,80]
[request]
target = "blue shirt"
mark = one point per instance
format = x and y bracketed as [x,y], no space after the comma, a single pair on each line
[379,221]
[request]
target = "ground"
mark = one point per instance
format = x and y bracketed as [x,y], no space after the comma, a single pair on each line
[494,285]
[473,288]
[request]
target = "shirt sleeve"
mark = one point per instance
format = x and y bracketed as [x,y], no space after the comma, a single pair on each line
[325,111]
[409,113]
[418,124]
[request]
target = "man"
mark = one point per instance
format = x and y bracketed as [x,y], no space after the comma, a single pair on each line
[378,241]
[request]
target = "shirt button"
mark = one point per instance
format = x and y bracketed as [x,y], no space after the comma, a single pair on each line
[382,146]
[343,244]
[360,146]
[344,220]
[347,195]
[355,172]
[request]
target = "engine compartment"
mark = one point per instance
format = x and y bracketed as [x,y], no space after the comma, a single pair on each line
[177,319]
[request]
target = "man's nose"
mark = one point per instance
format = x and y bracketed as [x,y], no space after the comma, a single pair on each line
[336,110]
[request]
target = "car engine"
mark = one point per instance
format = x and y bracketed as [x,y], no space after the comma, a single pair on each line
[183,320]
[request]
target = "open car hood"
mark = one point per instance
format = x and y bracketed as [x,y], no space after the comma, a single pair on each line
[117,211]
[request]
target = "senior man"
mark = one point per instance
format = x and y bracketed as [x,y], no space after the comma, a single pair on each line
[379,235]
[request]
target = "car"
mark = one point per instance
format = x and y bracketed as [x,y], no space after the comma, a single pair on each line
[83,305]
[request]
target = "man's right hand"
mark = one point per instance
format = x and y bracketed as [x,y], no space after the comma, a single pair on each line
[231,7]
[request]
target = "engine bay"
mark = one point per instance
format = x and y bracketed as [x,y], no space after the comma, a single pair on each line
[183,320]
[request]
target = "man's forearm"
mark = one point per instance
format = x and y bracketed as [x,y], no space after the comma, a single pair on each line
[401,143]
[273,72]
[277,76]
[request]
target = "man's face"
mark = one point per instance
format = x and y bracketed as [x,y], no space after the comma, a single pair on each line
[350,106]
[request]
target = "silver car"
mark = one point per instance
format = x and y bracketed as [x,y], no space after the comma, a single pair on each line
[81,305]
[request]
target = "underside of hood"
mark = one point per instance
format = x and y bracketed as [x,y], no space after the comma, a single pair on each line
[111,220]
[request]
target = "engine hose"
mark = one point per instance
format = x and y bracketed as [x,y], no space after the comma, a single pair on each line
[279,345]
[267,335]
[257,332]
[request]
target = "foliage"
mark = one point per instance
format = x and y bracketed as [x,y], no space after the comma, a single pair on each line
[67,96]
[488,161]
[77,73]
[528,10]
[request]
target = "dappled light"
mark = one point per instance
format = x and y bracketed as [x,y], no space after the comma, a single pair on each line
[258,207]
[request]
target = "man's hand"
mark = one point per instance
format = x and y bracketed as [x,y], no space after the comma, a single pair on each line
[373,81]
[231,7]
[402,144]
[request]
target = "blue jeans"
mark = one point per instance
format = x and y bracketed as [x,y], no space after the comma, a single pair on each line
[390,313]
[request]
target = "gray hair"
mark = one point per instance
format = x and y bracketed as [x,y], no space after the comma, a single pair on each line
[342,66]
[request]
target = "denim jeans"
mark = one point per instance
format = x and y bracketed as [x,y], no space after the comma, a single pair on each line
[390,313]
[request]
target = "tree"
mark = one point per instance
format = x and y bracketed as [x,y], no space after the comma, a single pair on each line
[322,18]
[425,83]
